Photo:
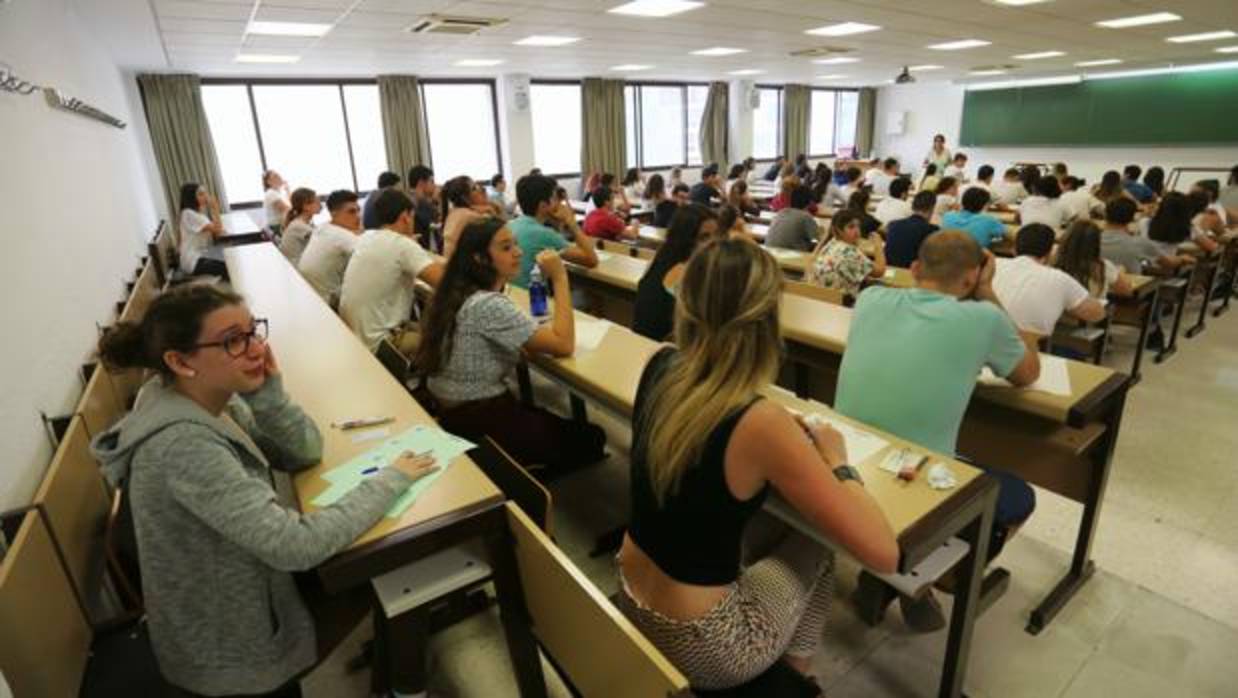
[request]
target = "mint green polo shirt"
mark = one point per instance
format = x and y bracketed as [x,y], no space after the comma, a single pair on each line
[533,237]
[912,360]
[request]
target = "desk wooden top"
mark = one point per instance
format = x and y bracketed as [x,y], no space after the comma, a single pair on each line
[332,376]
[610,374]
[239,223]
[821,325]
[794,261]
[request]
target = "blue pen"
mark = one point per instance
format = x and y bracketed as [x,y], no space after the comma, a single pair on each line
[369,471]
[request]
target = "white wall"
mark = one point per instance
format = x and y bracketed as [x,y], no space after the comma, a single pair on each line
[938,108]
[79,202]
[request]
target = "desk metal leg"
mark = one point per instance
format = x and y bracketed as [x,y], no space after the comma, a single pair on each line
[517,625]
[969,577]
[1171,347]
[1145,320]
[1203,309]
[1081,566]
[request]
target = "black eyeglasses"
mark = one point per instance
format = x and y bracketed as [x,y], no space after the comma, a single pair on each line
[237,344]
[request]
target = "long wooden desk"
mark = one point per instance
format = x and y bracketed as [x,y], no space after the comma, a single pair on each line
[333,377]
[1062,443]
[794,263]
[240,229]
[923,519]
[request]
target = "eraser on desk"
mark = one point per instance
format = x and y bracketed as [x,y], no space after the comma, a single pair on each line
[940,477]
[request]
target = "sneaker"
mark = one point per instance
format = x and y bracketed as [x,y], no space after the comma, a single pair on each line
[922,615]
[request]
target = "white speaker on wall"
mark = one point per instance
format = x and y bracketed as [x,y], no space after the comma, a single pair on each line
[896,123]
[520,92]
[754,98]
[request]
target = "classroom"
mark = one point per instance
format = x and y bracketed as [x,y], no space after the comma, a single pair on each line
[619,348]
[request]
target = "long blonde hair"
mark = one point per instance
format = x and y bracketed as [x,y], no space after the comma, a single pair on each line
[727,331]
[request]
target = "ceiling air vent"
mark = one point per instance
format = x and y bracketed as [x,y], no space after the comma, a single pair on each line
[821,51]
[459,26]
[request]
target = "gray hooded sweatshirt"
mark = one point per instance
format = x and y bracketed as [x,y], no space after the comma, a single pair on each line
[216,547]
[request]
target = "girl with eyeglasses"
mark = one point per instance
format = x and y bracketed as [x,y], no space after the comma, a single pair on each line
[217,548]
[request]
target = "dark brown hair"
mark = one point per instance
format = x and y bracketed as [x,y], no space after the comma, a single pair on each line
[172,323]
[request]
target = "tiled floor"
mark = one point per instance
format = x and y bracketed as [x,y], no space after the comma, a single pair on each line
[1160,618]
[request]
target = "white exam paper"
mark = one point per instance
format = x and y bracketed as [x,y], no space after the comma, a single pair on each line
[1054,377]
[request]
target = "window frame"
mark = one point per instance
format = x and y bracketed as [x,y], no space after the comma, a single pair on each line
[780,137]
[833,131]
[339,83]
[640,145]
[558,81]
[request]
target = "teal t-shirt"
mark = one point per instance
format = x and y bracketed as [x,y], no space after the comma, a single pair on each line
[985,229]
[913,357]
[533,237]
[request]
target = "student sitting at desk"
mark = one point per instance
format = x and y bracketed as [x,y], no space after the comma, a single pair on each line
[983,180]
[794,227]
[852,184]
[1120,245]
[1172,225]
[904,237]
[984,228]
[1009,192]
[472,339]
[198,232]
[957,168]
[825,191]
[676,177]
[947,191]
[602,221]
[706,450]
[1079,256]
[463,202]
[736,174]
[275,202]
[957,326]
[497,193]
[894,207]
[377,294]
[930,179]
[666,210]
[425,204]
[1211,216]
[1035,293]
[655,292]
[1110,188]
[858,204]
[885,176]
[739,197]
[1078,201]
[731,224]
[705,191]
[1132,185]
[386,180]
[656,196]
[1154,180]
[1045,206]
[299,224]
[633,185]
[218,549]
[331,246]
[838,261]
[534,234]
[775,169]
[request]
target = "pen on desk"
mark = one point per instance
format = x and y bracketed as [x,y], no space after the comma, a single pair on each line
[908,473]
[363,422]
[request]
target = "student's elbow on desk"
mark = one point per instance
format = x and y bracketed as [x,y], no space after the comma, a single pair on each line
[1028,370]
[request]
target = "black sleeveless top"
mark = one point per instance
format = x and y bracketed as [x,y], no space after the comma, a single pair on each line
[654,315]
[694,536]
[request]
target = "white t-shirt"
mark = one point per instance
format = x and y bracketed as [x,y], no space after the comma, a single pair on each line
[945,203]
[881,182]
[891,209]
[194,240]
[294,238]
[1080,203]
[1035,295]
[377,294]
[977,185]
[1041,209]
[956,172]
[325,258]
[269,201]
[871,175]
[1008,193]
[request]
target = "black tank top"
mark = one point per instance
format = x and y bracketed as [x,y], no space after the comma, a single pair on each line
[694,536]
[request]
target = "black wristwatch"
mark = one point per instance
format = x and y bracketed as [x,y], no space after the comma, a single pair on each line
[845,472]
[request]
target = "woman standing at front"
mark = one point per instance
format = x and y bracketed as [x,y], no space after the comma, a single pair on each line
[226,615]
[939,154]
[706,449]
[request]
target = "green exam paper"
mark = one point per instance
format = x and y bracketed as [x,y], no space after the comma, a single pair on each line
[422,438]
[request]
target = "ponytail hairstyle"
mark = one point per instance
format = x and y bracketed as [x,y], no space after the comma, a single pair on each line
[727,331]
[171,323]
[301,197]
[728,215]
[1079,255]
[468,271]
[457,192]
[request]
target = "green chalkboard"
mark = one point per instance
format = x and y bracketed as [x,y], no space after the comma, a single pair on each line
[1181,108]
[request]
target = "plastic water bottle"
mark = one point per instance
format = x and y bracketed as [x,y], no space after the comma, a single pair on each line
[537,293]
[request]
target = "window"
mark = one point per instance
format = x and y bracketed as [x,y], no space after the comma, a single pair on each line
[846,121]
[662,126]
[767,124]
[460,121]
[629,108]
[821,127]
[365,130]
[303,136]
[697,94]
[556,127]
[236,142]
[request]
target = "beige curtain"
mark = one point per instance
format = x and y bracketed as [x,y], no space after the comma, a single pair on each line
[864,121]
[796,115]
[713,129]
[181,137]
[603,142]
[404,127]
